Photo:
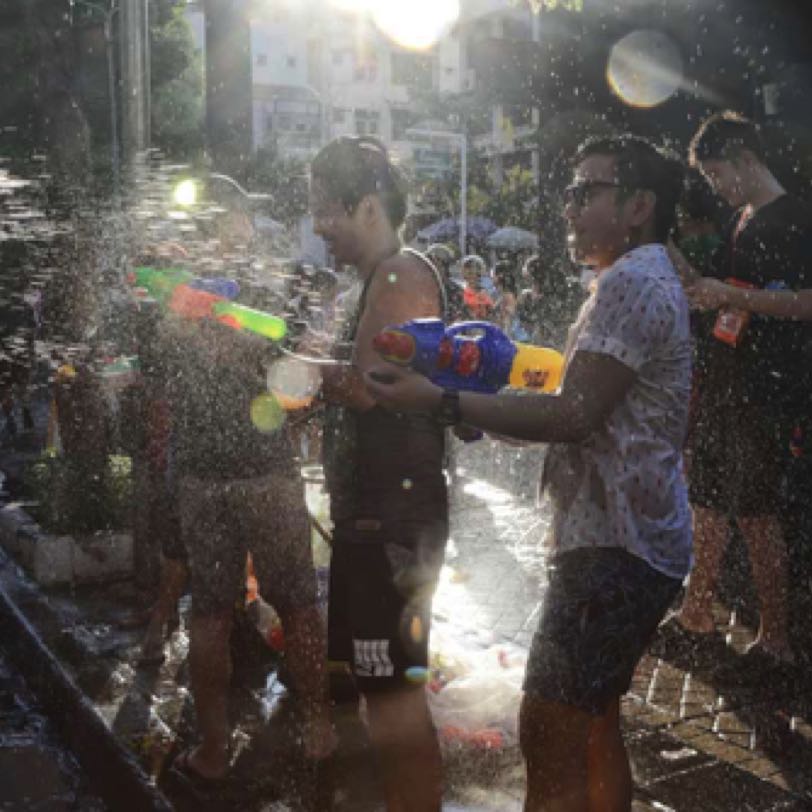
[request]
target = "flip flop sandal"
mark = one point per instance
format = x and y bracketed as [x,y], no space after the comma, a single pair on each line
[198,785]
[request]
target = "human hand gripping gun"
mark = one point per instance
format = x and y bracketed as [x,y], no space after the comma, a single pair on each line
[471,355]
[195,298]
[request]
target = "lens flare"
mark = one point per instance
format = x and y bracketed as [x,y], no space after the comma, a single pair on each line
[416,629]
[293,382]
[645,68]
[267,414]
[185,193]
[416,25]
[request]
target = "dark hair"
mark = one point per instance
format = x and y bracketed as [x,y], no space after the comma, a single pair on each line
[352,167]
[723,136]
[504,276]
[474,261]
[532,268]
[440,254]
[699,202]
[639,164]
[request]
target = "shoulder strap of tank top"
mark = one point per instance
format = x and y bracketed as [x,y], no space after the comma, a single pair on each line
[362,299]
[437,278]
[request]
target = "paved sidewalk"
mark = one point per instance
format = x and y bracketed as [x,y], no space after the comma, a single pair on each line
[709,730]
[713,733]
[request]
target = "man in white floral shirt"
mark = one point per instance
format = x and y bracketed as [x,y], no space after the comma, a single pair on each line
[621,522]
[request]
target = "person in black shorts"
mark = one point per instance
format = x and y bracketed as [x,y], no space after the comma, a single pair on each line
[384,474]
[756,376]
[238,491]
[621,524]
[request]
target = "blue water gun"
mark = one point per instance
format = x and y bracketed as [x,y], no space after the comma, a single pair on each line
[472,355]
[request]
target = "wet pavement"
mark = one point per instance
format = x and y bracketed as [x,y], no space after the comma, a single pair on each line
[707,729]
[37,771]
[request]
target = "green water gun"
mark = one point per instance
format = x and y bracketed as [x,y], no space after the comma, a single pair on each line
[195,298]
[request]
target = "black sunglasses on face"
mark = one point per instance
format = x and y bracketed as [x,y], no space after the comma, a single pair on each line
[580,194]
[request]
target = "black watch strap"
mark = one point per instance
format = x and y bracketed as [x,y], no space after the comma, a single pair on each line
[448,412]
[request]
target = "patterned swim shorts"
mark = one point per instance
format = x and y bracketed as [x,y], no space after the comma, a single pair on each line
[601,609]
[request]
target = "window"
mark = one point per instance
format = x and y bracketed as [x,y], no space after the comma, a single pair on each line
[262,59]
[367,122]
[520,115]
[366,71]
[291,61]
[339,115]
[413,70]
[337,57]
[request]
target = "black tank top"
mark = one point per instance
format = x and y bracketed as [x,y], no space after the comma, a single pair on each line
[380,465]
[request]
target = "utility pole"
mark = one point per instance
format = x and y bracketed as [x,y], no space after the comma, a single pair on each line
[229,131]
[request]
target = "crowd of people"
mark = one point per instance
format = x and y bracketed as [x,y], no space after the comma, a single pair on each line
[691,324]
[528,302]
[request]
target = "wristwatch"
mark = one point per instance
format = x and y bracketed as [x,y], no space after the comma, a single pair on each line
[448,412]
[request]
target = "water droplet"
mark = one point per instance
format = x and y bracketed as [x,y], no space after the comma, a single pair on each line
[267,414]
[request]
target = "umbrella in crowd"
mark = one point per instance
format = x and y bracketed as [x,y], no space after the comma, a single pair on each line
[511,238]
[449,228]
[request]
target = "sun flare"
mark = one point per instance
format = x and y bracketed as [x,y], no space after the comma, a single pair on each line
[419,24]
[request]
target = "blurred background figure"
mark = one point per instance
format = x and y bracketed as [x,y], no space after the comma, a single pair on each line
[443,259]
[549,303]
[507,313]
[479,305]
[701,215]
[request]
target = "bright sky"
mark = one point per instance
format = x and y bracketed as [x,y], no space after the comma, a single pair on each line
[415,24]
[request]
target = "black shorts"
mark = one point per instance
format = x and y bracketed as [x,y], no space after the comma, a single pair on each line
[381,585]
[600,611]
[223,521]
[738,459]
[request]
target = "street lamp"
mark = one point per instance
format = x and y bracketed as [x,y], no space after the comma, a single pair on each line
[462,140]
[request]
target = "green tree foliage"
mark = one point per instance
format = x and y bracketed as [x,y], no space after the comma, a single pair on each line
[513,200]
[177,82]
[285,179]
[18,78]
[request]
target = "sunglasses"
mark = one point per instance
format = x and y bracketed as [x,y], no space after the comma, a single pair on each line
[579,194]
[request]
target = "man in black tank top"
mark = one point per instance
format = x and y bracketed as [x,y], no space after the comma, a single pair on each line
[384,474]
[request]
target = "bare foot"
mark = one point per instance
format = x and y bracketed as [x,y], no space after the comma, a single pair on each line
[192,763]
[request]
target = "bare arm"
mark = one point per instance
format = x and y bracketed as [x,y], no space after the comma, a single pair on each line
[686,272]
[593,386]
[403,288]
[711,294]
